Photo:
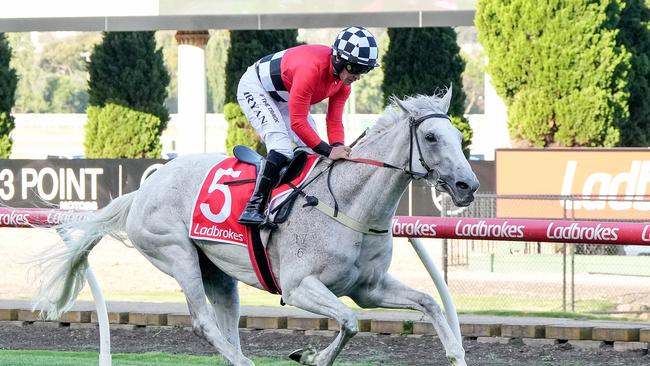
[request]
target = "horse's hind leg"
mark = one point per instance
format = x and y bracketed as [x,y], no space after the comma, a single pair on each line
[223,293]
[390,293]
[174,254]
[312,295]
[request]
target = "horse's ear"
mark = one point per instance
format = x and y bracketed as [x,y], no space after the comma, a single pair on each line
[446,100]
[399,103]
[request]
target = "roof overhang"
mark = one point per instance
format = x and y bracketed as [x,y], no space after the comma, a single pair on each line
[139,15]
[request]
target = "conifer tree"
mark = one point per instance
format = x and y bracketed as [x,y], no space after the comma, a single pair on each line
[8,82]
[559,68]
[425,61]
[635,36]
[246,47]
[127,90]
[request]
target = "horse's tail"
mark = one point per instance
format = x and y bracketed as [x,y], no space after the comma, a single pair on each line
[63,268]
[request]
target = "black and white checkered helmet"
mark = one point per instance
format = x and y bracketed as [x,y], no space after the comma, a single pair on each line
[357,45]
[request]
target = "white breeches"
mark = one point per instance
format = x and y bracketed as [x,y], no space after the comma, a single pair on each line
[269,117]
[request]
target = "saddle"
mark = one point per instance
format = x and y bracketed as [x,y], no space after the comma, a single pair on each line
[290,172]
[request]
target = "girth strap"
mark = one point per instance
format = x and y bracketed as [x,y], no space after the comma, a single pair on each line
[261,263]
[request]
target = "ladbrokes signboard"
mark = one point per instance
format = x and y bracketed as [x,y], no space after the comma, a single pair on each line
[605,184]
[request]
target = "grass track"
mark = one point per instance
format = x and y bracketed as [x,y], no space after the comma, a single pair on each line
[51,358]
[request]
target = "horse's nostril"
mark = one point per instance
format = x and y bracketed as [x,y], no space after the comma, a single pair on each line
[462,185]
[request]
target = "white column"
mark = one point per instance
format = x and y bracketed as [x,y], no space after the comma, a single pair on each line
[496,120]
[192,92]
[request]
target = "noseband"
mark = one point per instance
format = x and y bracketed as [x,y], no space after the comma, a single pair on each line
[413,127]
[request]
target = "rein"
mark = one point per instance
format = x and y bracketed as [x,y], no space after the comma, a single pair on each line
[413,125]
[334,212]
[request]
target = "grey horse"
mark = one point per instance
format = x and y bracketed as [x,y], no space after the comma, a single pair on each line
[314,258]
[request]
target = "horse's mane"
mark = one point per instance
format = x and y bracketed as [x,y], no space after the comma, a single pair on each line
[419,105]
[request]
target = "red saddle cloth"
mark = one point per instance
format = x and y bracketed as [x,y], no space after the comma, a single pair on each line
[222,198]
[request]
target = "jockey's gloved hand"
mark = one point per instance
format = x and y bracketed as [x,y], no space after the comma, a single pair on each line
[340,152]
[335,151]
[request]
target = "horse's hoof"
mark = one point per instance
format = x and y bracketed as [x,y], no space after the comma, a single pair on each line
[304,356]
[296,355]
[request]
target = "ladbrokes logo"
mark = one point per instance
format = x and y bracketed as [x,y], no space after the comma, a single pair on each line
[14,219]
[218,233]
[57,218]
[602,187]
[645,236]
[577,232]
[413,228]
[483,229]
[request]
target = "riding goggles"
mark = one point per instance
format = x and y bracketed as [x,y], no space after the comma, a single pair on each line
[357,68]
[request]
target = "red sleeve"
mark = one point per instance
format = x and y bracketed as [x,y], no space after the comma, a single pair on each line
[299,104]
[334,118]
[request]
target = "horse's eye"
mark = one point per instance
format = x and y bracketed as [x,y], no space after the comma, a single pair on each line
[430,137]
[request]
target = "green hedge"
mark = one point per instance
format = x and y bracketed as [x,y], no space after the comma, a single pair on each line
[7,124]
[127,75]
[240,132]
[114,131]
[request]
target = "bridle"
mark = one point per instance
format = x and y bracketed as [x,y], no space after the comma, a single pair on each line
[334,212]
[414,123]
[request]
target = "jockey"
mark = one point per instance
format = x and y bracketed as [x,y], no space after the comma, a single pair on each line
[277,91]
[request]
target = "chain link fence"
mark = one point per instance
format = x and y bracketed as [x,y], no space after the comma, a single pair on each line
[536,276]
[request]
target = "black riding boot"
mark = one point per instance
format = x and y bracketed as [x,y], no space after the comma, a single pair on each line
[267,179]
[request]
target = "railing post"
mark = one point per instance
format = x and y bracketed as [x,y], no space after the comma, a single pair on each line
[445,256]
[102,317]
[564,277]
[105,358]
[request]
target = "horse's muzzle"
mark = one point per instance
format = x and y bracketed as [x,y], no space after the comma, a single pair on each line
[461,191]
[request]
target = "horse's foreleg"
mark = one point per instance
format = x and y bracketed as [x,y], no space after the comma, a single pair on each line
[312,295]
[390,293]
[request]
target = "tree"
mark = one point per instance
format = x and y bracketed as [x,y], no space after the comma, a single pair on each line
[559,69]
[8,82]
[473,76]
[240,131]
[51,68]
[422,60]
[367,91]
[368,96]
[64,95]
[167,41]
[246,47]
[473,82]
[217,55]
[127,90]
[634,35]
[31,79]
[63,61]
